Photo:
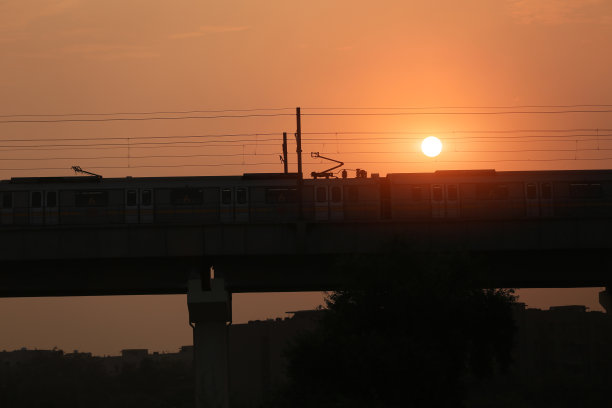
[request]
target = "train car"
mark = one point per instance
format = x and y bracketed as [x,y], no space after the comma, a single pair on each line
[164,200]
[273,198]
[355,199]
[487,194]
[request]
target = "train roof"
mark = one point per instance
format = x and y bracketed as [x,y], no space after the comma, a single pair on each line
[94,179]
[493,172]
[485,173]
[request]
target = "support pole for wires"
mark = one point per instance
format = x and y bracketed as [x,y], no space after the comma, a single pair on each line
[285,164]
[298,139]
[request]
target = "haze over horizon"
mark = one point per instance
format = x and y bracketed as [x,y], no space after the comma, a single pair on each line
[63,57]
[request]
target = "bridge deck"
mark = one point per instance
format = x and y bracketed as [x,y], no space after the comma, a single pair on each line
[156,259]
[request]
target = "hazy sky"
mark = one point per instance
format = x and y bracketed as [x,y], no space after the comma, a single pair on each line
[72,56]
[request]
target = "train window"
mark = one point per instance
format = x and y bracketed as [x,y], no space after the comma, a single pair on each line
[491,192]
[131,198]
[36,199]
[451,192]
[7,200]
[281,195]
[321,194]
[353,193]
[91,198]
[51,199]
[583,190]
[187,196]
[241,195]
[226,196]
[546,191]
[146,197]
[417,193]
[595,191]
[578,190]
[436,193]
[531,191]
[336,194]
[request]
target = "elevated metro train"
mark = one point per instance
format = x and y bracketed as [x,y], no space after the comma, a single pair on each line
[265,198]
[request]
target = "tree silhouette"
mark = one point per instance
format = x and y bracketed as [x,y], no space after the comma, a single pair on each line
[408,330]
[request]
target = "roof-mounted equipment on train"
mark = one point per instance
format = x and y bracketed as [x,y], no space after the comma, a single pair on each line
[78,169]
[326,173]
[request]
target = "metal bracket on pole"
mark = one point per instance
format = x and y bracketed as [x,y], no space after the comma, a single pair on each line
[284,156]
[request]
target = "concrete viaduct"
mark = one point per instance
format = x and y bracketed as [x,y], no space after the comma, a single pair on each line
[167,259]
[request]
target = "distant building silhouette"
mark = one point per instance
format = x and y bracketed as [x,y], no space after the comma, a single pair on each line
[24,355]
[564,342]
[256,354]
[133,357]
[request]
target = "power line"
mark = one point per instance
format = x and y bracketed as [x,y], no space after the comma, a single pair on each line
[143,113]
[463,107]
[458,131]
[560,112]
[313,163]
[275,153]
[240,143]
[222,136]
[258,115]
[80,139]
[480,151]
[551,112]
[331,133]
[138,157]
[144,166]
[125,145]
[163,112]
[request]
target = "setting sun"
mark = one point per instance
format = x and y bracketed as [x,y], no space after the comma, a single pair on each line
[431,146]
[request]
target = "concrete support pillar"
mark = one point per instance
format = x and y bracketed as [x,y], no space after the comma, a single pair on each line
[209,312]
[605,299]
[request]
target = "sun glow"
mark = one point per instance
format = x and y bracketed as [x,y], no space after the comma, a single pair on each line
[431,146]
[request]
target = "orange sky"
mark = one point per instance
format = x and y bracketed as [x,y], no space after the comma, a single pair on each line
[75,56]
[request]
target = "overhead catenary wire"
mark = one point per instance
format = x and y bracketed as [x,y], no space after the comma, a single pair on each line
[315,114]
[593,132]
[330,133]
[275,154]
[141,113]
[190,111]
[241,143]
[311,163]
[251,115]
[462,107]
[549,112]
[267,143]
[80,139]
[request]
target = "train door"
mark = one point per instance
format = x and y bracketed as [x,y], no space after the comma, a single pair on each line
[241,208]
[336,208]
[6,208]
[532,202]
[36,207]
[452,200]
[146,206]
[547,208]
[51,208]
[321,204]
[437,201]
[131,206]
[226,208]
